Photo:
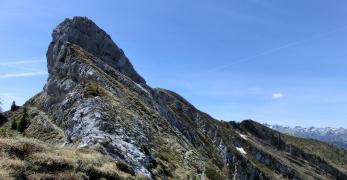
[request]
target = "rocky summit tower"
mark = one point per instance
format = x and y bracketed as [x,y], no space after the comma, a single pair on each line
[84,33]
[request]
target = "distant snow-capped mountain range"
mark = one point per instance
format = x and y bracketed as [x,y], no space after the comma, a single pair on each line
[336,136]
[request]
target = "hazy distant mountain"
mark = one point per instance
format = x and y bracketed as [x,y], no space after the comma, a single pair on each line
[336,136]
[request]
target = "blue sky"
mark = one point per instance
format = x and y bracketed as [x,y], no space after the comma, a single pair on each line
[275,61]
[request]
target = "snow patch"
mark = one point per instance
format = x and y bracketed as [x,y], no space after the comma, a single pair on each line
[241,150]
[142,88]
[243,136]
[91,73]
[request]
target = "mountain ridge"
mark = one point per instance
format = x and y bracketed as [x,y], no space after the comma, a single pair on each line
[93,102]
[336,136]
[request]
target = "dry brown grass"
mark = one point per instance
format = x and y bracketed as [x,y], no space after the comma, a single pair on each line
[24,157]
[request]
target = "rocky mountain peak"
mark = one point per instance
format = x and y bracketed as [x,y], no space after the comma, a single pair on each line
[86,34]
[94,101]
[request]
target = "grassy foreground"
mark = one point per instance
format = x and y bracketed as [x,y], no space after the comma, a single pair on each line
[26,158]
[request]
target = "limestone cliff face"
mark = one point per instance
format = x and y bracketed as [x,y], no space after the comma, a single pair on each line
[94,96]
[86,34]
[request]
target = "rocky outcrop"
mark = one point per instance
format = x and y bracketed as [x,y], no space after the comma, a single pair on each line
[76,97]
[86,34]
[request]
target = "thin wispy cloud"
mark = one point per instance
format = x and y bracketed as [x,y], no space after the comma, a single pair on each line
[25,74]
[8,63]
[276,49]
[277,95]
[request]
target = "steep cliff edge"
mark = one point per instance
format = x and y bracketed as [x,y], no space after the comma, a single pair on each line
[86,34]
[94,98]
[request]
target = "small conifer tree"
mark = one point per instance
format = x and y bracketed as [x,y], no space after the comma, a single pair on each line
[2,117]
[14,125]
[23,123]
[14,107]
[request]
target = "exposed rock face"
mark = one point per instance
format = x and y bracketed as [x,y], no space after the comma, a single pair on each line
[73,98]
[86,34]
[95,97]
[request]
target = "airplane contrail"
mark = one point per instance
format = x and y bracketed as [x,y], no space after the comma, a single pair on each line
[25,74]
[21,62]
[249,58]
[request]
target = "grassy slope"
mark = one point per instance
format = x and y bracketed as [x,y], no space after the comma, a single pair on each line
[38,153]
[309,157]
[31,158]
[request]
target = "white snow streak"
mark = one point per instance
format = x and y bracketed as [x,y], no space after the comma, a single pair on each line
[243,136]
[241,150]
